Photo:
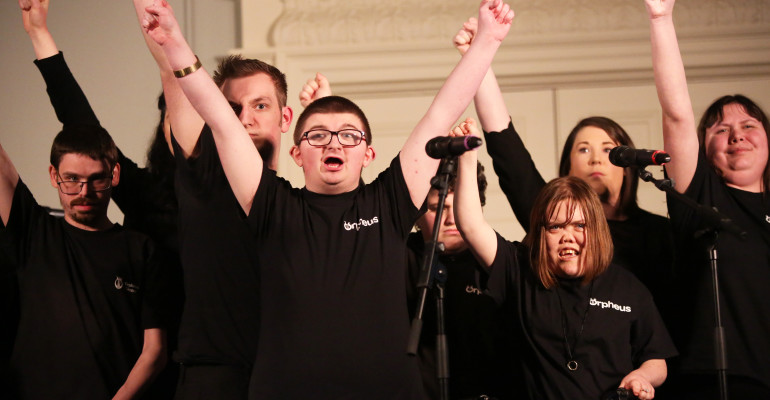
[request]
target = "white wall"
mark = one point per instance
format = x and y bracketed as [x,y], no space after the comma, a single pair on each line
[557,65]
[103,46]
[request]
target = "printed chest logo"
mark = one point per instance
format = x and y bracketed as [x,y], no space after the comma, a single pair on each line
[609,304]
[362,223]
[128,286]
[473,290]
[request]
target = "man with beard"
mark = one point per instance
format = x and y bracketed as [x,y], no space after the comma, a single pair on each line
[219,330]
[91,320]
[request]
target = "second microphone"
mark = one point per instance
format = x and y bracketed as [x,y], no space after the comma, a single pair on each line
[446,146]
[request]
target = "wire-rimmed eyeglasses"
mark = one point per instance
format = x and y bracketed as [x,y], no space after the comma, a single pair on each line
[74,187]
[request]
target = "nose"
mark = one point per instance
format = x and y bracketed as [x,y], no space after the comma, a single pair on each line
[736,135]
[245,117]
[567,236]
[335,143]
[595,158]
[450,216]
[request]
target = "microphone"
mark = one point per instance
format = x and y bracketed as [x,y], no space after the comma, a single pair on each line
[446,146]
[624,156]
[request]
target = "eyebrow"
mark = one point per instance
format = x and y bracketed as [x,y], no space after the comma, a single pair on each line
[96,175]
[604,142]
[344,126]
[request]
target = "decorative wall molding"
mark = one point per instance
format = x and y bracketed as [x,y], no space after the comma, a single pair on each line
[401,47]
[324,22]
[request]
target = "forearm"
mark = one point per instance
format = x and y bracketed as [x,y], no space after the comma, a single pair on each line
[67,98]
[452,99]
[149,364]
[653,371]
[490,105]
[679,133]
[43,43]
[670,78]
[519,178]
[185,121]
[240,160]
[469,215]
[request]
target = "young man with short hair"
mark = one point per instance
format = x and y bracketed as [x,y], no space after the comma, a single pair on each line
[91,318]
[332,254]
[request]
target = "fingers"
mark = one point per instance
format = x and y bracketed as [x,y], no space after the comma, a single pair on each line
[466,128]
[641,388]
[25,5]
[314,89]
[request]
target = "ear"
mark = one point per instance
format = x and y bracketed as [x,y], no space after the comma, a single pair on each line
[116,175]
[369,155]
[287,115]
[296,155]
[52,174]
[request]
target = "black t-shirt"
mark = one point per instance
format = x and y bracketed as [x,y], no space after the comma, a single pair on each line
[622,327]
[481,359]
[86,299]
[335,322]
[744,279]
[643,242]
[220,321]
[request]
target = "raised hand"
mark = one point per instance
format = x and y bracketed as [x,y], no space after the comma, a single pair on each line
[314,89]
[160,23]
[495,18]
[659,8]
[34,14]
[464,37]
[466,128]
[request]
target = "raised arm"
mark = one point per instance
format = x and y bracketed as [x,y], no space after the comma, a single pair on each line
[467,204]
[519,178]
[240,159]
[9,178]
[186,124]
[150,363]
[67,98]
[314,89]
[34,14]
[680,139]
[490,106]
[454,96]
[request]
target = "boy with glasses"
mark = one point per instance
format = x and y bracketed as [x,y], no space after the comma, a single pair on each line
[332,253]
[91,318]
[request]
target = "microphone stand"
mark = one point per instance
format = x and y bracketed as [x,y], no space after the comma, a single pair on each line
[430,277]
[714,222]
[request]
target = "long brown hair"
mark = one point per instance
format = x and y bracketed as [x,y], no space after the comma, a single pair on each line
[574,193]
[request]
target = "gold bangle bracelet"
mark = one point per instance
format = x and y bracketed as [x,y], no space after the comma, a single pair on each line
[189,70]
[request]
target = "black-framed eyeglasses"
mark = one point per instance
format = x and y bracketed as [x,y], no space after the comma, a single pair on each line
[74,187]
[322,137]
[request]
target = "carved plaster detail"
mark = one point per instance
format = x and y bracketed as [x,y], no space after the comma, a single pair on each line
[334,22]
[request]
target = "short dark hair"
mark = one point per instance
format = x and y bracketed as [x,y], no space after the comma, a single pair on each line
[480,178]
[331,105]
[715,113]
[598,245]
[627,202]
[236,66]
[89,140]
